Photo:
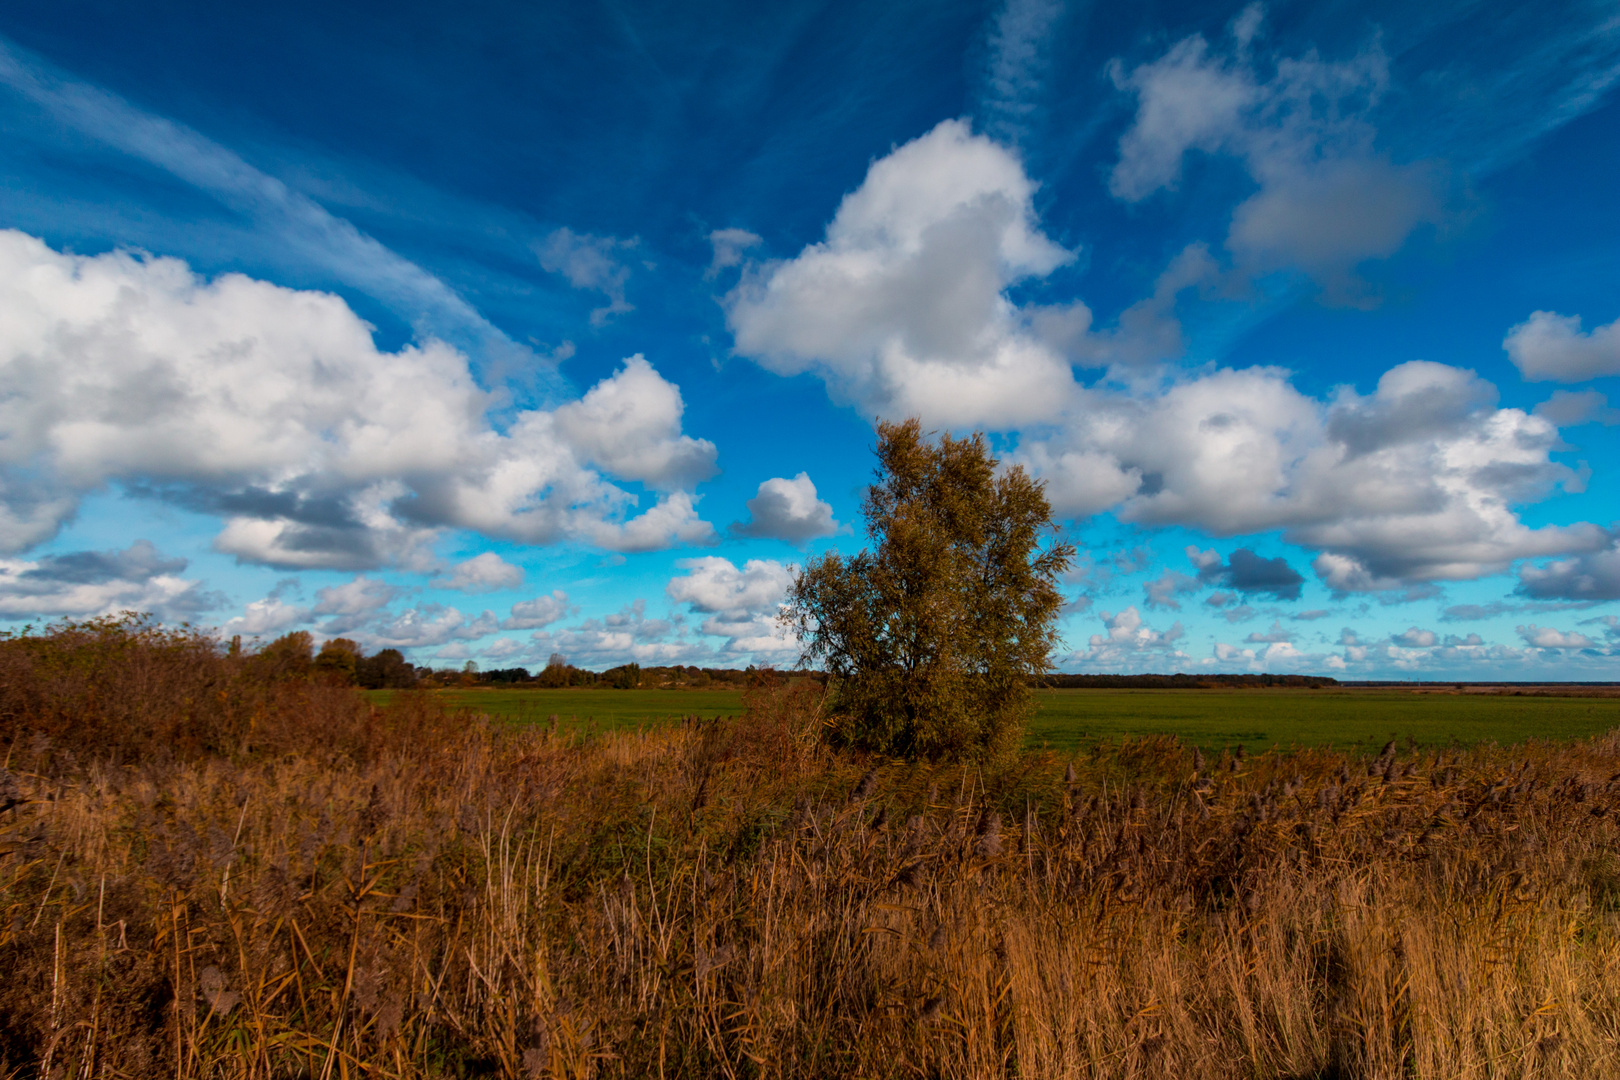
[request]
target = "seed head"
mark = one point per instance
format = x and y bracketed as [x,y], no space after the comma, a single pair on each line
[989,839]
[868,784]
[212,989]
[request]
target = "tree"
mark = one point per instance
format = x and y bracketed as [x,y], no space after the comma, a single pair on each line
[385,671]
[556,673]
[625,677]
[290,656]
[336,661]
[931,637]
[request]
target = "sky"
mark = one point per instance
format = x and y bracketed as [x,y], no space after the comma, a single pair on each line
[489,332]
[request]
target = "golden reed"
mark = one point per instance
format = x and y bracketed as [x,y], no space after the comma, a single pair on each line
[401,893]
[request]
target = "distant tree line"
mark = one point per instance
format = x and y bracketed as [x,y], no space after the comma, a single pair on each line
[340,661]
[1179,681]
[559,673]
[343,662]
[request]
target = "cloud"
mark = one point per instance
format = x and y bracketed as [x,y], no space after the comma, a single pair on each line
[1128,643]
[589,262]
[480,574]
[426,625]
[631,426]
[1414,638]
[787,510]
[1476,612]
[715,585]
[1277,633]
[1571,408]
[901,309]
[85,583]
[1414,482]
[353,604]
[1588,577]
[322,451]
[1540,637]
[1163,590]
[1549,346]
[741,603]
[1079,605]
[269,617]
[1247,572]
[141,561]
[1611,624]
[1017,67]
[319,239]
[541,611]
[1327,199]
[503,648]
[729,246]
[626,636]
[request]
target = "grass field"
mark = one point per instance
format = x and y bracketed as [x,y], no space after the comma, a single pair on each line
[1079,719]
[607,710]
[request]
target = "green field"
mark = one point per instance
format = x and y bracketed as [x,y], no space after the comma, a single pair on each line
[1070,719]
[605,709]
[1077,719]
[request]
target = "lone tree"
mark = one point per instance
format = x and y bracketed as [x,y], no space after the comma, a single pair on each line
[932,637]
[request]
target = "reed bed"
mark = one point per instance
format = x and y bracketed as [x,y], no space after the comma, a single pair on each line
[455,898]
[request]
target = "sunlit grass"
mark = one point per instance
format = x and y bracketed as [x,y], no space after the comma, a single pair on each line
[1079,719]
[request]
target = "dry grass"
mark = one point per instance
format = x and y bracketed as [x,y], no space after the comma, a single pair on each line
[730,900]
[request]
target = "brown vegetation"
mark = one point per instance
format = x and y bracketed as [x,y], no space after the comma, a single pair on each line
[222,875]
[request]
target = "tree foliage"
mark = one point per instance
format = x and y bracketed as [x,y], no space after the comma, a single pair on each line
[932,635]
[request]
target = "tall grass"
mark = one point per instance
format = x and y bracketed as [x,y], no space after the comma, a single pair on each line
[407,893]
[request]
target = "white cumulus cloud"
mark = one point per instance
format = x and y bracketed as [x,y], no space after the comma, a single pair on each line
[1417,481]
[480,574]
[1128,643]
[273,408]
[85,583]
[1415,638]
[269,617]
[740,602]
[787,510]
[1549,346]
[541,611]
[1545,637]
[901,309]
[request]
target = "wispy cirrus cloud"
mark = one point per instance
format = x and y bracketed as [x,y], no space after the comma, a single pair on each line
[305,227]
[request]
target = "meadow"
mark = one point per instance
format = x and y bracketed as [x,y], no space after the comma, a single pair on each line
[214,865]
[1074,720]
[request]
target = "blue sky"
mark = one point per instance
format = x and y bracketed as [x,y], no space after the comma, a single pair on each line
[505,330]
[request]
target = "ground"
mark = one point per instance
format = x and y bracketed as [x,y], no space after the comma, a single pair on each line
[1079,719]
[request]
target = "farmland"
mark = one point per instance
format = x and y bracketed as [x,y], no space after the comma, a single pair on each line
[1072,720]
